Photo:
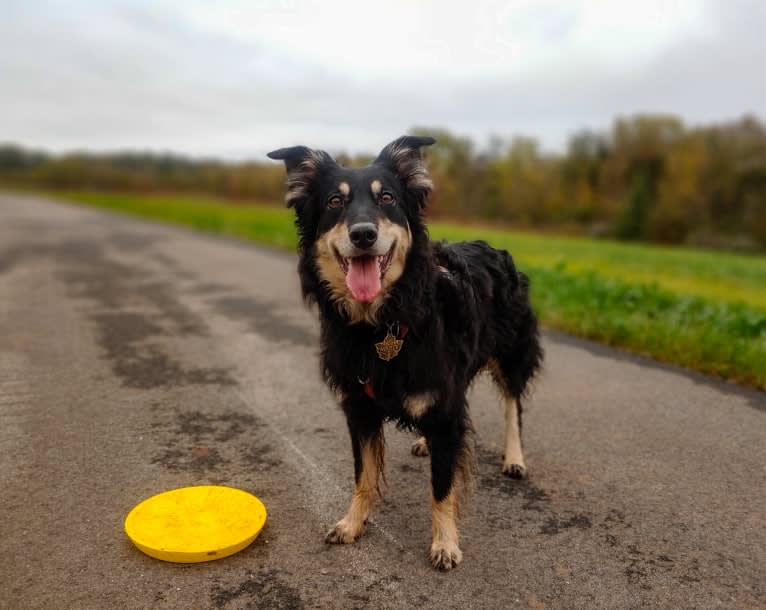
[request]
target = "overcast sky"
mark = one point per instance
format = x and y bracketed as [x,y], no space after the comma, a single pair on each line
[236,79]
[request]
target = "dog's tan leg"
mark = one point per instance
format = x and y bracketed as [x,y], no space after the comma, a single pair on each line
[513,462]
[445,552]
[348,529]
[420,447]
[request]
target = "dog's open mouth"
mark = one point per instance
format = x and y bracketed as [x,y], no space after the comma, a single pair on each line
[364,273]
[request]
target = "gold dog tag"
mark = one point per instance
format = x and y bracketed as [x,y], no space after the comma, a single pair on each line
[389,348]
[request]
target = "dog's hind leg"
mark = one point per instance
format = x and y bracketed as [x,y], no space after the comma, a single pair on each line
[368,447]
[513,459]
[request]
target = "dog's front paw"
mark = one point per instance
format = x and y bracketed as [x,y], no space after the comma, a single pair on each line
[515,471]
[420,447]
[344,532]
[445,556]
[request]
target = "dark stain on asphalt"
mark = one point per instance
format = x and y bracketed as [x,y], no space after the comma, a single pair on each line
[132,311]
[265,588]
[184,322]
[141,364]
[90,274]
[535,498]
[641,566]
[220,427]
[196,459]
[209,288]
[106,284]
[125,328]
[77,251]
[173,265]
[263,318]
[384,583]
[201,442]
[131,314]
[554,525]
[260,457]
[10,257]
[613,532]
[359,600]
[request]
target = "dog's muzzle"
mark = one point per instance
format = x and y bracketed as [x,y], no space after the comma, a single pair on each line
[363,235]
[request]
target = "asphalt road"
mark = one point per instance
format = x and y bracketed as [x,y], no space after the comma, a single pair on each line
[136,358]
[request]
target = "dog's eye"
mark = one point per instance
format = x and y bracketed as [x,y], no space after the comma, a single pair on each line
[335,201]
[386,198]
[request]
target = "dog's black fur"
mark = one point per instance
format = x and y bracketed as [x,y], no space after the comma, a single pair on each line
[466,307]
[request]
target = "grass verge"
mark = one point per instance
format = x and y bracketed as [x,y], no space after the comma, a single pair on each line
[698,309]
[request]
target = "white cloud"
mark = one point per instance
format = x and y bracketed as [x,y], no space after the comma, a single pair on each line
[404,39]
[242,77]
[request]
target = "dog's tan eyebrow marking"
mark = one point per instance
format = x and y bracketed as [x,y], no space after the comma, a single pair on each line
[344,188]
[375,187]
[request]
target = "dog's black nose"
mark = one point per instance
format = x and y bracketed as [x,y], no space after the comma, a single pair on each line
[363,234]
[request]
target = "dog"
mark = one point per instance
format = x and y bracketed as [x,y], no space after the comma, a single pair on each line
[406,324]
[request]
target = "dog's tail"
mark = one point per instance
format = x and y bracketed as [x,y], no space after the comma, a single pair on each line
[520,361]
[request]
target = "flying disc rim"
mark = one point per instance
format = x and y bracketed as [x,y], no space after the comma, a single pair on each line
[236,517]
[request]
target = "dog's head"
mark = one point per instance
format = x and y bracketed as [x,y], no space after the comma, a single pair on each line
[356,224]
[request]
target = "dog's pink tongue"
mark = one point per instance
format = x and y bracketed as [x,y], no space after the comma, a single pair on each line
[363,278]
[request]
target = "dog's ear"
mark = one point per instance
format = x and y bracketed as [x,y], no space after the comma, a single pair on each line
[405,158]
[304,166]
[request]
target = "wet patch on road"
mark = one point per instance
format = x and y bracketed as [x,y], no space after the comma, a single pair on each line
[132,312]
[491,479]
[202,442]
[554,525]
[209,288]
[260,457]
[610,534]
[184,321]
[141,364]
[265,588]
[173,265]
[263,318]
[195,459]
[385,584]
[10,257]
[70,250]
[113,285]
[640,565]
[133,242]
[221,427]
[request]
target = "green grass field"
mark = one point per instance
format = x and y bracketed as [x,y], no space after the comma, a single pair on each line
[699,309]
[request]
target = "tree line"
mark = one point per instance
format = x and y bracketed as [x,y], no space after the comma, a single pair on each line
[648,178]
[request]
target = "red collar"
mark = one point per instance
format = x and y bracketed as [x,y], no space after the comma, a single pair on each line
[369,391]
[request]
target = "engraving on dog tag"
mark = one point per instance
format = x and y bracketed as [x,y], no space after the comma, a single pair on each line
[389,348]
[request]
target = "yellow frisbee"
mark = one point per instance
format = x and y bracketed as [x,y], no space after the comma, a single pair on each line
[194,524]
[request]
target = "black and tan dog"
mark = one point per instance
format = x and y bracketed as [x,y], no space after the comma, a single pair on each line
[406,323]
